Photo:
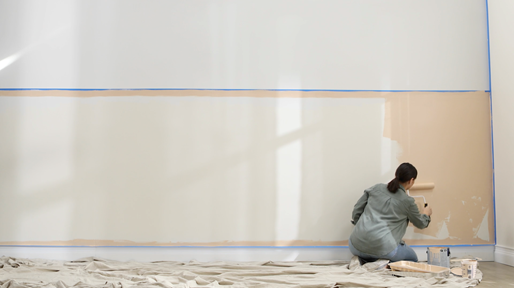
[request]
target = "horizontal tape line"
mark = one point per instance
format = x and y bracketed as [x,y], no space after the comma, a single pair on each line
[206,89]
[236,247]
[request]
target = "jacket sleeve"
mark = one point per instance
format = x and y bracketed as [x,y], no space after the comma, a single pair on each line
[359,207]
[419,220]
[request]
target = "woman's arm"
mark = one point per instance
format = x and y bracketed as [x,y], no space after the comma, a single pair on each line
[419,220]
[359,207]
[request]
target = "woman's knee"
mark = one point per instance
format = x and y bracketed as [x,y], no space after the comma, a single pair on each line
[405,253]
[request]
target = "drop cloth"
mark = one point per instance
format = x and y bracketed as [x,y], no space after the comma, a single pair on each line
[96,272]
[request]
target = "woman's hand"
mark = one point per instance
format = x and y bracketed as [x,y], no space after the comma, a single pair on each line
[427,210]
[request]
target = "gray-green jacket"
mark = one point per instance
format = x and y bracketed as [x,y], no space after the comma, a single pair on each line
[381,219]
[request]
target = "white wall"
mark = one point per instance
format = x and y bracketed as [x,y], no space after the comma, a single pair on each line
[343,45]
[364,45]
[502,79]
[188,169]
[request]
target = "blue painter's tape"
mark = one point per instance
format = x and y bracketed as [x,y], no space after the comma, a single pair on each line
[207,89]
[201,247]
[488,41]
[230,247]
[463,245]
[491,107]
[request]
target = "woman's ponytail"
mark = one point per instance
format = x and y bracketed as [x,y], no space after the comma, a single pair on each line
[393,185]
[404,173]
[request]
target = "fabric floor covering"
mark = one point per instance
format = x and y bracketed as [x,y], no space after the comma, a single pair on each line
[95,272]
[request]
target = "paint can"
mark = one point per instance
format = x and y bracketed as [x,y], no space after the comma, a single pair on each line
[439,256]
[469,268]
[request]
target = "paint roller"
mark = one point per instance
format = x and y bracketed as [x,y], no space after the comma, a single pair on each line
[421,186]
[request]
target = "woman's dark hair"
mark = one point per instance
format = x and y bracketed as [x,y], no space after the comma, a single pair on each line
[404,173]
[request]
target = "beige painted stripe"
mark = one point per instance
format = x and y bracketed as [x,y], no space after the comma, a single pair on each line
[293,243]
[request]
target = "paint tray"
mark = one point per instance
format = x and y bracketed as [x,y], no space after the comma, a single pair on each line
[406,266]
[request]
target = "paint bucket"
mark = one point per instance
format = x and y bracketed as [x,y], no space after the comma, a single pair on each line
[439,256]
[469,268]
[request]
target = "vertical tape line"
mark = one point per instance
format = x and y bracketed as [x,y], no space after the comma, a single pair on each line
[492,126]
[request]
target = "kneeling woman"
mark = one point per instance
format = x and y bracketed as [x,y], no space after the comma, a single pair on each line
[381,217]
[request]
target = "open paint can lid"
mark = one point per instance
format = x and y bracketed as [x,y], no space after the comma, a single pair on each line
[457,271]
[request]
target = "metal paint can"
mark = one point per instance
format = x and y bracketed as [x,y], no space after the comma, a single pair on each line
[439,256]
[469,268]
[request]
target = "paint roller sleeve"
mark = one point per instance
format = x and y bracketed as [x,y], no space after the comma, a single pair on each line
[423,186]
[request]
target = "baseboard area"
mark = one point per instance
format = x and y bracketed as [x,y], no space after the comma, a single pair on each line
[504,255]
[185,254]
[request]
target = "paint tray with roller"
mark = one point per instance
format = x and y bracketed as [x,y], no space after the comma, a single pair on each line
[407,266]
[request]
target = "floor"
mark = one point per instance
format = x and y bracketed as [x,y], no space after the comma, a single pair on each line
[496,275]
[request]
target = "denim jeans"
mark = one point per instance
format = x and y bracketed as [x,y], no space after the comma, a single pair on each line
[402,252]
